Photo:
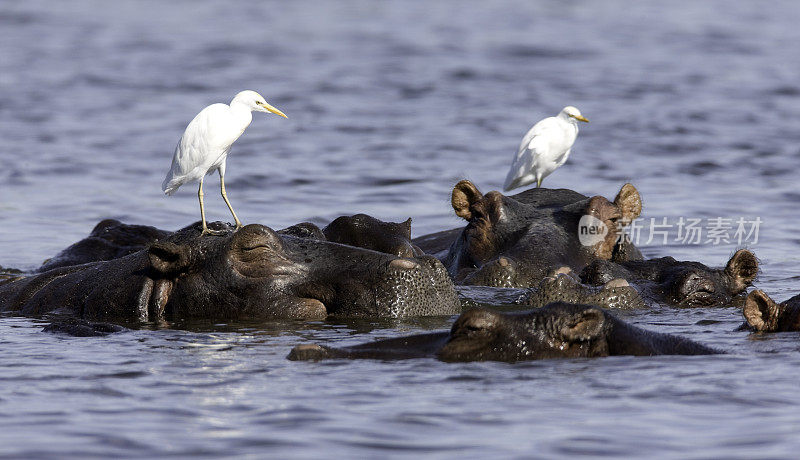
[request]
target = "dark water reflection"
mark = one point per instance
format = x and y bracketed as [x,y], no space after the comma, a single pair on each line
[390,104]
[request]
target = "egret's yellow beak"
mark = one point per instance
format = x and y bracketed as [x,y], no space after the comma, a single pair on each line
[272,109]
[580,118]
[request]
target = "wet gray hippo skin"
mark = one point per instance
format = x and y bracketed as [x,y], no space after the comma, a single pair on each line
[762,314]
[679,283]
[558,330]
[367,232]
[515,241]
[252,273]
[109,239]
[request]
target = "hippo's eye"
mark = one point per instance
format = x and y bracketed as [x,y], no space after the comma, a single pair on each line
[701,296]
[254,244]
[255,247]
[471,330]
[468,330]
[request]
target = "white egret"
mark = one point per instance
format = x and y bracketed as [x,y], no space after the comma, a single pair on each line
[544,148]
[205,145]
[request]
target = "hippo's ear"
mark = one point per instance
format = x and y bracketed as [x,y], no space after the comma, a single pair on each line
[629,203]
[586,325]
[465,194]
[761,312]
[743,269]
[168,258]
[406,226]
[605,216]
[103,225]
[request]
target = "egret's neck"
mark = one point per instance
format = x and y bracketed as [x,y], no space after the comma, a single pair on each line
[569,121]
[242,112]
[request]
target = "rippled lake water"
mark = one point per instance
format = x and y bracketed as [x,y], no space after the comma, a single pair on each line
[390,104]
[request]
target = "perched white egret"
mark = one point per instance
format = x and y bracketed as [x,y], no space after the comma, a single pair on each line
[205,145]
[544,148]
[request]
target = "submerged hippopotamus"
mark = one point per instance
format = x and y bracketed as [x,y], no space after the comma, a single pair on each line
[679,283]
[762,314]
[109,239]
[558,330]
[251,273]
[514,241]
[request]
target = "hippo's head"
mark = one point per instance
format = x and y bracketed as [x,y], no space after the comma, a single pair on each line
[680,283]
[516,241]
[763,314]
[367,232]
[257,273]
[558,330]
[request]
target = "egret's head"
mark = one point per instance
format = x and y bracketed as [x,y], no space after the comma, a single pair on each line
[572,112]
[256,102]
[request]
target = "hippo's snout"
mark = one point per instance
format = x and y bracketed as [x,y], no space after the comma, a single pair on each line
[501,272]
[617,293]
[416,287]
[616,283]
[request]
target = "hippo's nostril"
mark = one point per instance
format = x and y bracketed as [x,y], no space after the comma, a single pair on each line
[616,283]
[403,264]
[562,271]
[563,281]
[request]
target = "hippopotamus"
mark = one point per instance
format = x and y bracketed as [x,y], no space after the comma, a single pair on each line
[109,239]
[762,314]
[250,273]
[514,241]
[558,330]
[665,280]
[367,232]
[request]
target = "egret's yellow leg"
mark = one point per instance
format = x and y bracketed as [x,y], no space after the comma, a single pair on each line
[539,182]
[206,230]
[202,208]
[225,197]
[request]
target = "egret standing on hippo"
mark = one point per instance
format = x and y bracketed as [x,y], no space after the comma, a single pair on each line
[205,145]
[544,148]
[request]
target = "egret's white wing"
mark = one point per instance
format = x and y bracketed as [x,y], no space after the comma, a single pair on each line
[207,137]
[563,158]
[533,144]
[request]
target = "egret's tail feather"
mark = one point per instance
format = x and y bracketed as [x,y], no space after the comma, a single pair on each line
[169,186]
[511,183]
[513,178]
